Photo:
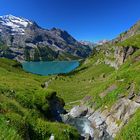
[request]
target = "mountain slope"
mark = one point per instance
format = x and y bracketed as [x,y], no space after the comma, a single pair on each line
[134,30]
[27,41]
[104,89]
[107,85]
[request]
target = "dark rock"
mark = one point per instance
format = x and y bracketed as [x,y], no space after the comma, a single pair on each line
[128,87]
[131,96]
[56,107]
[131,91]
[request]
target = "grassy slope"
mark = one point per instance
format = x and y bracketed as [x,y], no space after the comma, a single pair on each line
[132,41]
[132,130]
[93,78]
[24,107]
[77,85]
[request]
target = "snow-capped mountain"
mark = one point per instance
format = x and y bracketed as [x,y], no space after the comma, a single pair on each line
[101,42]
[25,40]
[88,43]
[92,45]
[16,24]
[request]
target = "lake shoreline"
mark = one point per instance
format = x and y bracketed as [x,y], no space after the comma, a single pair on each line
[46,68]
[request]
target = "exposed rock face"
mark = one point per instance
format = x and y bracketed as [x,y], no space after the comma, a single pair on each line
[116,117]
[120,55]
[117,55]
[119,115]
[137,99]
[78,111]
[108,122]
[111,63]
[27,41]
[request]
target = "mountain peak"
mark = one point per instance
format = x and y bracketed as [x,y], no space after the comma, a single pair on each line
[51,44]
[9,16]
[16,24]
[15,19]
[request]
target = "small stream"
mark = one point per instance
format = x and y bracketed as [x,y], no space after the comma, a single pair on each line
[82,124]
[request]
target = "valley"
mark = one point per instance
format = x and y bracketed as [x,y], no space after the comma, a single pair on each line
[100,99]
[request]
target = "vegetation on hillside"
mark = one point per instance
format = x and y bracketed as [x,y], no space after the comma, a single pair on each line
[93,78]
[133,41]
[25,110]
[24,103]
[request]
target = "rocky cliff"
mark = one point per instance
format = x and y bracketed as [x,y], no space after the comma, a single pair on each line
[23,39]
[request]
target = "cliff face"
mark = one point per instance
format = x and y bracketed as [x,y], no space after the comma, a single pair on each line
[25,40]
[119,55]
[108,122]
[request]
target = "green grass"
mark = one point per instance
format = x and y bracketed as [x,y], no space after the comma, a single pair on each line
[132,130]
[91,79]
[132,41]
[77,85]
[7,132]
[24,104]
[23,98]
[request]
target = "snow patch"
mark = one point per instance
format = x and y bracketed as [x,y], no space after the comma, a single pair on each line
[16,24]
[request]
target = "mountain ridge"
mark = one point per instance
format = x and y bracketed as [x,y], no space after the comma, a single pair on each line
[104,89]
[30,40]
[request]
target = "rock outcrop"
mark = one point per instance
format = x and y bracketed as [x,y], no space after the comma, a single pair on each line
[120,55]
[78,111]
[108,122]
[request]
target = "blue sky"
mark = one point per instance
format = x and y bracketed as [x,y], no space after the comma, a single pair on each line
[91,20]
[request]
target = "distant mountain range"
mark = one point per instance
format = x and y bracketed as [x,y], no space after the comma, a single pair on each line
[94,44]
[22,39]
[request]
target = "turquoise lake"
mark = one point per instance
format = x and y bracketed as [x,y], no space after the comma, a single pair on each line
[50,67]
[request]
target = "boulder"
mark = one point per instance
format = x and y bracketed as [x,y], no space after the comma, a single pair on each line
[78,111]
[96,119]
